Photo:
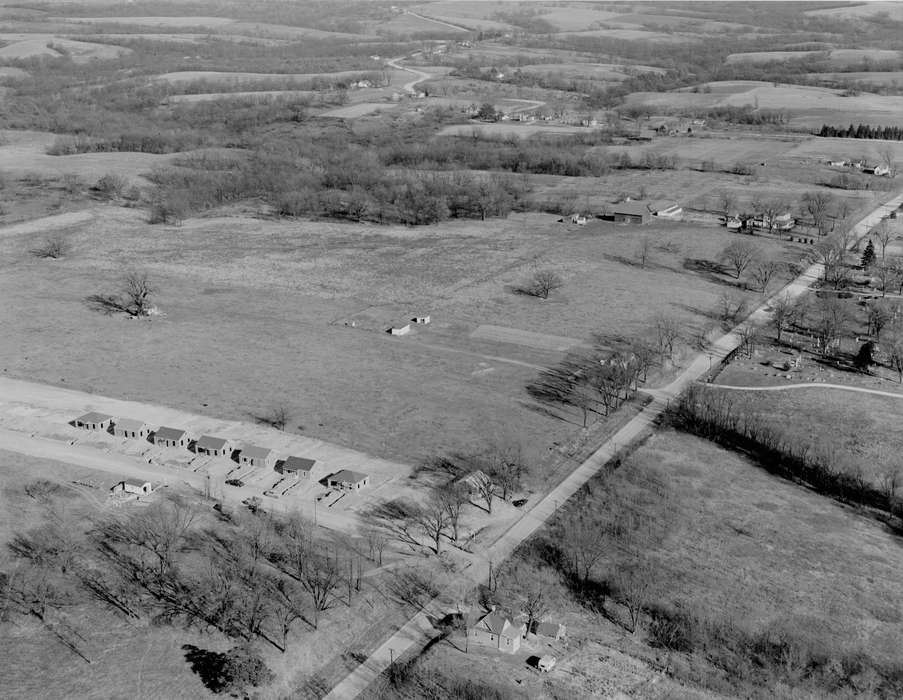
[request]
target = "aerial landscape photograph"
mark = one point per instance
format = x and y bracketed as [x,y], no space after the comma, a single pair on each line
[451,349]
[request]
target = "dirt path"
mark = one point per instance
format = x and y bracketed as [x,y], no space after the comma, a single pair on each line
[48,223]
[419,630]
[409,87]
[813,385]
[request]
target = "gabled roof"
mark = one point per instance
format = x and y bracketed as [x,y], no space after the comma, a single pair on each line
[300,464]
[93,417]
[497,622]
[165,433]
[210,442]
[255,452]
[130,424]
[346,476]
[631,208]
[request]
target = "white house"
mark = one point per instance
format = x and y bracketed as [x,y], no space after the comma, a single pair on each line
[139,487]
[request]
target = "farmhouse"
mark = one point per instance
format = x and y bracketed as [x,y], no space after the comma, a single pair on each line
[131,428]
[546,663]
[630,213]
[498,631]
[94,421]
[135,486]
[348,480]
[880,170]
[578,219]
[779,222]
[298,467]
[213,446]
[172,437]
[257,456]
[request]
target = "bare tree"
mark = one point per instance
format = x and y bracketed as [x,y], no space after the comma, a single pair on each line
[321,579]
[739,255]
[543,283]
[503,462]
[376,542]
[137,290]
[783,313]
[432,519]
[727,201]
[888,159]
[584,546]
[633,590]
[749,335]
[831,318]
[453,497]
[667,331]
[831,253]
[763,273]
[881,312]
[534,606]
[731,307]
[895,354]
[819,206]
[485,488]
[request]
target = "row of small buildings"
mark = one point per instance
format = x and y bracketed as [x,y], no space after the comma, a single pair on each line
[213,446]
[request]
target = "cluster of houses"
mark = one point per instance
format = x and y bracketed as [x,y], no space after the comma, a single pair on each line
[783,222]
[497,629]
[213,446]
[878,170]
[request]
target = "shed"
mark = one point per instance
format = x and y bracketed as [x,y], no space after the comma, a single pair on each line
[400,330]
[94,421]
[213,446]
[172,437]
[552,629]
[257,456]
[546,663]
[298,467]
[348,480]
[135,486]
[421,320]
[131,428]
[630,213]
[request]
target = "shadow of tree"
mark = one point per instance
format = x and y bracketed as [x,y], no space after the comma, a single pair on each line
[105,304]
[208,665]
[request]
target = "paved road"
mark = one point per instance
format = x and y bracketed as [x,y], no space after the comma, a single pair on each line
[813,385]
[418,630]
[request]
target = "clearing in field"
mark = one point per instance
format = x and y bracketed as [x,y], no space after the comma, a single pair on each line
[22,46]
[256,96]
[521,129]
[541,341]
[355,111]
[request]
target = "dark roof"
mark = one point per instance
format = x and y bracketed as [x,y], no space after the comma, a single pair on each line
[346,476]
[165,433]
[130,424]
[255,452]
[209,442]
[93,417]
[300,464]
[631,208]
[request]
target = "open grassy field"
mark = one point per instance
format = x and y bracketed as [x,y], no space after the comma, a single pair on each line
[719,539]
[520,129]
[285,298]
[22,46]
[807,107]
[254,96]
[861,10]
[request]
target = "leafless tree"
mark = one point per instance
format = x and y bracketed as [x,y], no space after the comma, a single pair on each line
[503,462]
[727,201]
[731,307]
[739,255]
[286,608]
[543,283]
[633,590]
[534,606]
[321,579]
[894,349]
[763,273]
[137,290]
[783,313]
[667,331]
[888,159]
[830,319]
[643,251]
[831,253]
[749,335]
[376,542]
[485,488]
[881,312]
[584,545]
[644,352]
[432,519]
[819,206]
[453,497]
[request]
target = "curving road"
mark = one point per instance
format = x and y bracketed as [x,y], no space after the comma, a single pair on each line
[814,385]
[409,87]
[419,630]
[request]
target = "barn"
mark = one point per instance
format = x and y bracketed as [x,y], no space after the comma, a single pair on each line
[94,421]
[630,213]
[138,487]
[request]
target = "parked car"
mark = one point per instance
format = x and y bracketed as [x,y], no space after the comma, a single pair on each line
[235,482]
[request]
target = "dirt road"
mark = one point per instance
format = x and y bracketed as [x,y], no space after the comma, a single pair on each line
[418,630]
[813,385]
[409,87]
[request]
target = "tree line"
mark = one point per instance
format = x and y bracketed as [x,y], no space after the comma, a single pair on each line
[862,131]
